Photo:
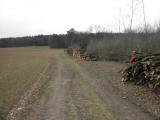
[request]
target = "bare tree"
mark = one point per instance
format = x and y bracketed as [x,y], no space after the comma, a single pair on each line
[119,21]
[134,4]
[144,15]
[132,13]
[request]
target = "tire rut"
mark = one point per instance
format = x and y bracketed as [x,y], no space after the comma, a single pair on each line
[115,104]
[74,94]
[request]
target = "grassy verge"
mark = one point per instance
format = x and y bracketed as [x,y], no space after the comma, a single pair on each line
[19,69]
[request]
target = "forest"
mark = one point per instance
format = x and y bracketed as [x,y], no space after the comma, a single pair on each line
[105,45]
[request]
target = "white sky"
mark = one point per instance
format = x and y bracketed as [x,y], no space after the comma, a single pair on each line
[32,17]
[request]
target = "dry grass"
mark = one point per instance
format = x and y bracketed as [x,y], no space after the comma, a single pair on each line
[110,72]
[88,103]
[19,69]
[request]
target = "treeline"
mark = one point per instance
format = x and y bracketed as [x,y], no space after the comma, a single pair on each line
[72,38]
[80,40]
[117,46]
[107,46]
[40,40]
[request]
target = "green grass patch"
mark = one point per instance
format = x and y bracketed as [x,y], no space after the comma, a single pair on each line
[43,89]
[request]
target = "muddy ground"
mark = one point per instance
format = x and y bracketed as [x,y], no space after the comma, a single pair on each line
[80,90]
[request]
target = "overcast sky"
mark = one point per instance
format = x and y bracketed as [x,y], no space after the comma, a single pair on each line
[32,17]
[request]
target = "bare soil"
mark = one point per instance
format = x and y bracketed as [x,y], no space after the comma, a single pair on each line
[79,90]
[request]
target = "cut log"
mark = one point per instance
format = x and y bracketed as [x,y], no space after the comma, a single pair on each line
[144,71]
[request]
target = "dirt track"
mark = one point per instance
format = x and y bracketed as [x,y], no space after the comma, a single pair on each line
[74,92]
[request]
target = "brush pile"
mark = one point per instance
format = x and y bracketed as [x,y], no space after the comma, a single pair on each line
[144,71]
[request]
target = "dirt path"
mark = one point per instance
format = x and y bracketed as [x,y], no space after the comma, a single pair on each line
[74,93]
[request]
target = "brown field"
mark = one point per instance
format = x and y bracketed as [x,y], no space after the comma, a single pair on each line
[19,69]
[75,89]
[81,90]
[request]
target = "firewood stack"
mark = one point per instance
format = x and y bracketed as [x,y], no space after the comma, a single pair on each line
[81,54]
[144,71]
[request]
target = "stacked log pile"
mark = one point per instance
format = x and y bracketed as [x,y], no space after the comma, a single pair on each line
[80,54]
[69,51]
[77,53]
[144,71]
